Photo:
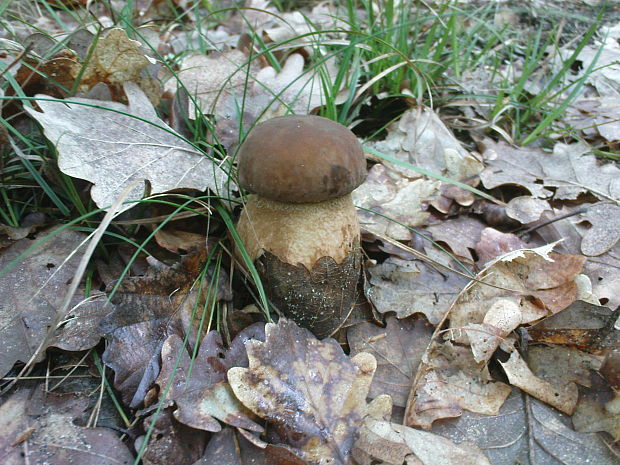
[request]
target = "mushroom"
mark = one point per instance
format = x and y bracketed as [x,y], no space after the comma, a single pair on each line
[300,227]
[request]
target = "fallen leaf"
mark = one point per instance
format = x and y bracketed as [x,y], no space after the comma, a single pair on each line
[391,443]
[271,93]
[112,145]
[582,325]
[450,381]
[564,174]
[542,285]
[171,442]
[553,440]
[308,390]
[460,234]
[595,115]
[494,243]
[412,286]
[563,397]
[209,78]
[31,296]
[231,448]
[397,348]
[39,428]
[393,199]
[200,389]
[147,310]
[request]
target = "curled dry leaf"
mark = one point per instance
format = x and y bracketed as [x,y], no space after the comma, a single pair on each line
[200,389]
[112,145]
[539,282]
[413,286]
[31,296]
[39,428]
[397,348]
[308,390]
[394,444]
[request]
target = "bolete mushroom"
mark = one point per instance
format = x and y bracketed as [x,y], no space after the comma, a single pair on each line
[300,227]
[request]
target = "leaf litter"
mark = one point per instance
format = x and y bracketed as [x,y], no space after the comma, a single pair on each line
[293,398]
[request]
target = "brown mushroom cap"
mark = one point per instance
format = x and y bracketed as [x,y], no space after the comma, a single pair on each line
[301,159]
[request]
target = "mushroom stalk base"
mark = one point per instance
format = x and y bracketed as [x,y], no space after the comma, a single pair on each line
[319,299]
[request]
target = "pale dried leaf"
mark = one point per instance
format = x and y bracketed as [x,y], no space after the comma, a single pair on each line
[112,150]
[391,443]
[563,397]
[452,381]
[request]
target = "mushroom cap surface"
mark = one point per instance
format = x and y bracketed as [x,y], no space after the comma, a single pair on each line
[301,159]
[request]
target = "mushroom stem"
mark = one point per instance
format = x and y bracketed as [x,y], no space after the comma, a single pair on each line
[308,256]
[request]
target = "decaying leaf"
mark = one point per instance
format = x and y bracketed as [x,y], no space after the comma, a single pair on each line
[397,348]
[412,286]
[564,174]
[200,390]
[541,283]
[231,448]
[451,381]
[149,309]
[394,444]
[312,394]
[563,397]
[171,441]
[39,428]
[112,145]
[393,198]
[31,296]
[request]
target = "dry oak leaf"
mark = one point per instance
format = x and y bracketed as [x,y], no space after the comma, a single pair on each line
[209,78]
[115,59]
[270,93]
[413,286]
[394,199]
[564,174]
[394,444]
[398,349]
[540,282]
[308,390]
[199,387]
[32,294]
[420,138]
[171,442]
[450,381]
[38,428]
[113,145]
[149,309]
